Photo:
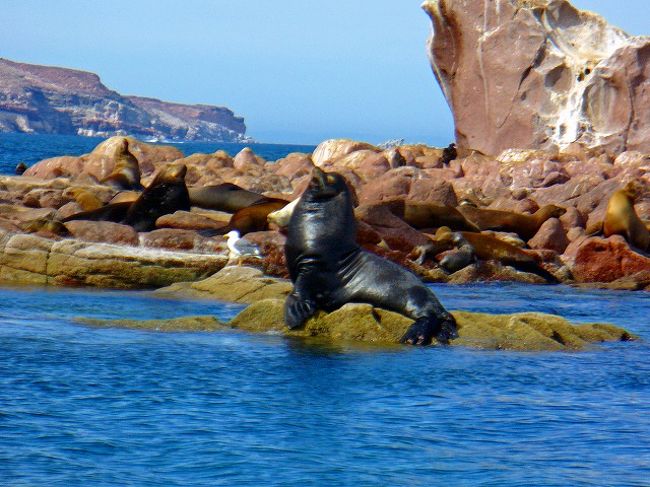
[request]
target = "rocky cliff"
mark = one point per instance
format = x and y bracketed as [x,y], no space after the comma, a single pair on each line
[43,99]
[537,74]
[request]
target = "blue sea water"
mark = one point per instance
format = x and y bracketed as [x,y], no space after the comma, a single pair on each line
[104,407]
[30,149]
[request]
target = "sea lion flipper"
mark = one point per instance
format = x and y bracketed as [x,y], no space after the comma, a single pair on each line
[422,331]
[297,310]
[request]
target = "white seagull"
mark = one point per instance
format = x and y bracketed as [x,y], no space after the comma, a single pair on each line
[240,247]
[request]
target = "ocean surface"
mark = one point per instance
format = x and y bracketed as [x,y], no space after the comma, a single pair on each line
[30,149]
[84,406]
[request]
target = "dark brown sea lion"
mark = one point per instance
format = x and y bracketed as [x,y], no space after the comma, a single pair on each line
[167,193]
[526,226]
[126,173]
[21,167]
[226,197]
[621,218]
[253,218]
[114,212]
[329,269]
[487,247]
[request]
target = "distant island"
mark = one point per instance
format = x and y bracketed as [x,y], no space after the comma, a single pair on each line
[52,100]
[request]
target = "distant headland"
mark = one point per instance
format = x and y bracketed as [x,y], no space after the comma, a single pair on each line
[53,100]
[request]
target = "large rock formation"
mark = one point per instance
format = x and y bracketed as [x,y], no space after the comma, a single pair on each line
[51,100]
[539,74]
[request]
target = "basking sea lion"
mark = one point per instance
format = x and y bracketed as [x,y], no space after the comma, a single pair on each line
[167,193]
[428,215]
[251,219]
[621,218]
[46,227]
[21,167]
[329,269]
[460,258]
[114,212]
[526,226]
[226,197]
[487,247]
[84,197]
[126,173]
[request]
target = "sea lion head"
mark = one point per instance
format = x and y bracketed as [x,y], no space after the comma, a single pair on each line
[553,211]
[173,173]
[325,185]
[633,189]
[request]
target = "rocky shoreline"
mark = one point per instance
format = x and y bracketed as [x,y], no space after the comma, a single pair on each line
[517,181]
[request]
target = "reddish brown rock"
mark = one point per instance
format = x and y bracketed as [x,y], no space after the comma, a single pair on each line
[191,221]
[389,186]
[551,235]
[596,259]
[333,149]
[294,165]
[246,159]
[101,161]
[397,234]
[366,164]
[433,191]
[178,239]
[106,232]
[533,74]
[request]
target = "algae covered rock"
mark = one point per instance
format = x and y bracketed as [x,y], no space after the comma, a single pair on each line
[185,323]
[363,323]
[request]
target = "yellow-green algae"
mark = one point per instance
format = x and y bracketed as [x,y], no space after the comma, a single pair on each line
[361,323]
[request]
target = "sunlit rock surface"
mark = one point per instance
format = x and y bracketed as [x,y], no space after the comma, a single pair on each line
[361,323]
[539,74]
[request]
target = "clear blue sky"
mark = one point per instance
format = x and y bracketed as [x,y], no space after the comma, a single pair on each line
[298,70]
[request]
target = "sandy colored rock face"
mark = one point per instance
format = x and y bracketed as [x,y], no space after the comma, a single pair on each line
[539,75]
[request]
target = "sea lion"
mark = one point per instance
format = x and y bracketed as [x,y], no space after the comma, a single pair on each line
[167,193]
[460,258]
[329,269]
[114,212]
[226,197]
[428,215]
[46,227]
[84,197]
[282,216]
[448,154]
[526,226]
[621,218]
[251,219]
[125,197]
[126,173]
[21,167]
[487,247]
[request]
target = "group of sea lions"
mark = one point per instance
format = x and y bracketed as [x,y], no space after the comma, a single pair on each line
[326,264]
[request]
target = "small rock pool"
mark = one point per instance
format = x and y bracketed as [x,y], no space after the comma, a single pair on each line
[87,406]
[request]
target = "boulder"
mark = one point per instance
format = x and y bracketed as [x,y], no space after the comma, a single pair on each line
[71,262]
[538,74]
[332,149]
[107,232]
[595,259]
[551,235]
